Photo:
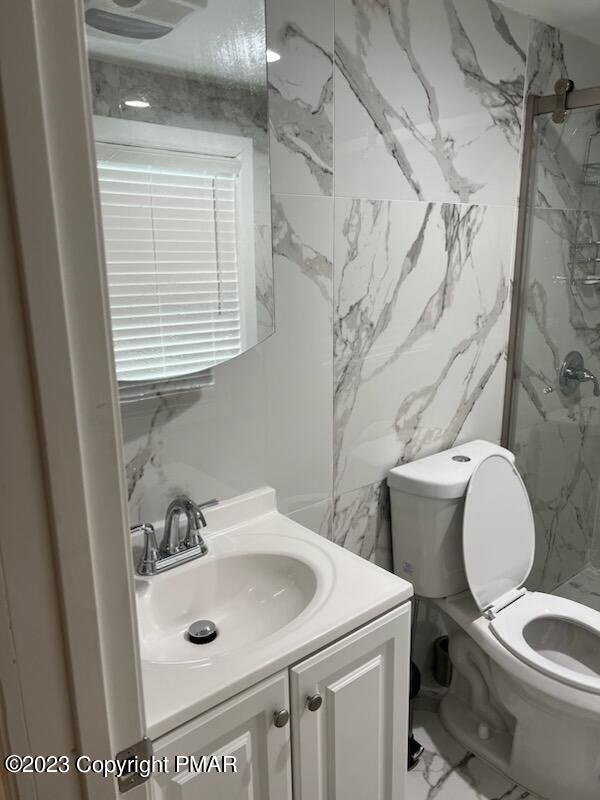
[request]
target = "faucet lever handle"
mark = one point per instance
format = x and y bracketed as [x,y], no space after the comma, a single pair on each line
[208,503]
[193,537]
[205,504]
[150,556]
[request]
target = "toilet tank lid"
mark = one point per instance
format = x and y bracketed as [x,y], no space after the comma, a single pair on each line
[444,475]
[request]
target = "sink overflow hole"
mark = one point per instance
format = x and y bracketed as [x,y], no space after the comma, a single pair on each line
[202,631]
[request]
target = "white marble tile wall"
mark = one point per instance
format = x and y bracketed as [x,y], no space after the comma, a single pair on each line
[555,54]
[298,358]
[420,330]
[209,443]
[301,96]
[425,92]
[395,129]
[428,100]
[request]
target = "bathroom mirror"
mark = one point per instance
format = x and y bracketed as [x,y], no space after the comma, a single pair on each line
[179,98]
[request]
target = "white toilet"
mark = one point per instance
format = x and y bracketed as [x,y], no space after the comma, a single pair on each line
[525,691]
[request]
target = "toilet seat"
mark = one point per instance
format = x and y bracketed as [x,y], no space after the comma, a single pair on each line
[555,636]
[560,621]
[498,533]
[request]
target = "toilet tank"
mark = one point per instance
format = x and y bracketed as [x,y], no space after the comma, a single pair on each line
[427,501]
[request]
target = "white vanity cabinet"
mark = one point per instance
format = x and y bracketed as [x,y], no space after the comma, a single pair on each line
[348,722]
[350,715]
[242,727]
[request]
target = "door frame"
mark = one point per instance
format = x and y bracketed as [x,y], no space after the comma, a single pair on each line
[44,86]
[535,105]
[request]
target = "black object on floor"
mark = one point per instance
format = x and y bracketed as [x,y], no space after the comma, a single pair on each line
[415,680]
[415,749]
[442,666]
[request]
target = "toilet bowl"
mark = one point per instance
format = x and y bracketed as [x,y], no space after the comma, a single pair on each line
[525,690]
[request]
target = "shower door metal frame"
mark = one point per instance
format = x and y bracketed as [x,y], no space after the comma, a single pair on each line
[536,105]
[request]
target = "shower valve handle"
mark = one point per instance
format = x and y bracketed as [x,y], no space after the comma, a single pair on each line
[573,372]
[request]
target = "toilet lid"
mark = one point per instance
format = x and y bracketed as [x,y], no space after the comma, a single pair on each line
[498,531]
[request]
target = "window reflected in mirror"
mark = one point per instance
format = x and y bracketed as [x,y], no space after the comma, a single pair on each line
[179,98]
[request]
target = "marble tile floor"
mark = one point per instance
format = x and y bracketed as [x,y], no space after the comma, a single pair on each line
[448,772]
[583,588]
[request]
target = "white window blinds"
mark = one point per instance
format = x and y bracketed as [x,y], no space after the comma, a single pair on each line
[170,221]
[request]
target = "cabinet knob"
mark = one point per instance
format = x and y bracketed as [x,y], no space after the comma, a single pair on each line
[314,702]
[281,718]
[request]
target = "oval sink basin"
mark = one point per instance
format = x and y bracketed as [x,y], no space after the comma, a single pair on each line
[249,597]
[276,592]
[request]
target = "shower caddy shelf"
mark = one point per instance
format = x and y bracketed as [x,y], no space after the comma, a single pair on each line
[585,254]
[584,257]
[591,173]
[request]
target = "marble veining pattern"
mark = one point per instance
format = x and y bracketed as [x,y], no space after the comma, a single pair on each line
[546,62]
[584,588]
[559,466]
[316,266]
[421,105]
[301,96]
[265,290]
[361,523]
[561,151]
[448,772]
[419,330]
[145,451]
[555,54]
[197,443]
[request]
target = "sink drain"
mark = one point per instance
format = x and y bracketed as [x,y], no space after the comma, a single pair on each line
[202,632]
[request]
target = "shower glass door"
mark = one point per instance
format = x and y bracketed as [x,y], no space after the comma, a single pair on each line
[555,414]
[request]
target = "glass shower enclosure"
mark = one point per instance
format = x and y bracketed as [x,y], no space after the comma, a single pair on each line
[552,401]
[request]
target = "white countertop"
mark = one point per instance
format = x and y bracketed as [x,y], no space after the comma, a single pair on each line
[350,591]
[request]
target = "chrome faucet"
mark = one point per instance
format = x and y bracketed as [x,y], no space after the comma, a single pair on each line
[573,372]
[174,549]
[171,542]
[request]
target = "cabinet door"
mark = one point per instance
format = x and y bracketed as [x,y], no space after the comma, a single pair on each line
[355,745]
[242,727]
